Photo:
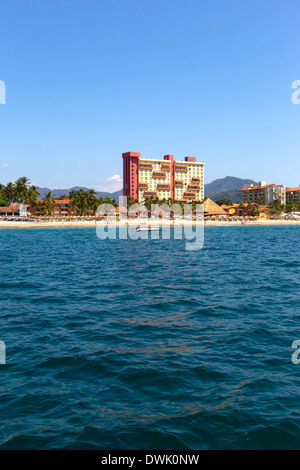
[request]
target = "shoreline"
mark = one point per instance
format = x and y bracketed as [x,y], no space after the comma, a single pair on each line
[143,223]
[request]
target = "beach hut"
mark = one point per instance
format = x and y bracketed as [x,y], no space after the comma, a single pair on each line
[211,209]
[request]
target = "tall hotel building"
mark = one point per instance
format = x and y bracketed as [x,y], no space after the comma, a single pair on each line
[167,178]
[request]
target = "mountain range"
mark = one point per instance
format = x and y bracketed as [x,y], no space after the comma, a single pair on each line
[66,191]
[228,187]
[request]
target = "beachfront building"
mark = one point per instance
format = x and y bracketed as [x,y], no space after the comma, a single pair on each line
[293,195]
[13,210]
[231,210]
[246,210]
[61,207]
[162,179]
[7,211]
[263,193]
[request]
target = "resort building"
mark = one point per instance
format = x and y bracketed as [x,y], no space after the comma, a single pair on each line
[292,195]
[61,208]
[263,193]
[242,210]
[247,210]
[162,179]
[13,210]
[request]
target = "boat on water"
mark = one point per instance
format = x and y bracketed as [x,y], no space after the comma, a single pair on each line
[147,229]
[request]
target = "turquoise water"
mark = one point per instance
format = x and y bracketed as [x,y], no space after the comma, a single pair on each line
[124,344]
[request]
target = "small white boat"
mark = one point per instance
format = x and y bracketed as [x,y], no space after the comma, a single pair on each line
[147,229]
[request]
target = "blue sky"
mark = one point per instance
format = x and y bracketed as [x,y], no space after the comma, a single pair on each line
[89,79]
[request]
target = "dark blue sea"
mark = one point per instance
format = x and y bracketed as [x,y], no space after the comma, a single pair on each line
[141,344]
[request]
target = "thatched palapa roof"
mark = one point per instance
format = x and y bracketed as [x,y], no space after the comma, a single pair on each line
[211,208]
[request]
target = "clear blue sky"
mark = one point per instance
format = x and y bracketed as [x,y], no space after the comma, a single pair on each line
[89,79]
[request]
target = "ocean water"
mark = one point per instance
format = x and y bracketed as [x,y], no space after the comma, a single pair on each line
[135,344]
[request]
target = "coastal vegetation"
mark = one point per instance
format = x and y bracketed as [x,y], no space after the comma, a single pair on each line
[21,191]
[224,201]
[85,202]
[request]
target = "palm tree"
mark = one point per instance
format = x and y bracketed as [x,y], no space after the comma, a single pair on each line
[48,206]
[21,188]
[248,207]
[276,207]
[74,200]
[32,196]
[9,192]
[79,200]
[131,201]
[254,211]
[90,199]
[291,207]
[241,207]
[3,200]
[83,202]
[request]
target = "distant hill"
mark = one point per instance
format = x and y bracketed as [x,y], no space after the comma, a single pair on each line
[225,184]
[60,192]
[228,187]
[234,195]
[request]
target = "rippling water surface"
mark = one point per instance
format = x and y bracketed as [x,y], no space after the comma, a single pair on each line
[123,344]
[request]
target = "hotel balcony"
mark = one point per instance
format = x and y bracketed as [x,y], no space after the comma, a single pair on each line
[158,174]
[150,193]
[145,166]
[181,168]
[181,165]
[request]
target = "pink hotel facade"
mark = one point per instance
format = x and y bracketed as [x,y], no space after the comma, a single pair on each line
[167,178]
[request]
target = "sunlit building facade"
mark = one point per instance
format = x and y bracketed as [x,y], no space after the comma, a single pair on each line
[293,195]
[162,179]
[264,193]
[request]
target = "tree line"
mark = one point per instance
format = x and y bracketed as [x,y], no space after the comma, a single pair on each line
[86,202]
[21,191]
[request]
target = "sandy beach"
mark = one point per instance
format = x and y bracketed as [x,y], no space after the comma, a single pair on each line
[142,222]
